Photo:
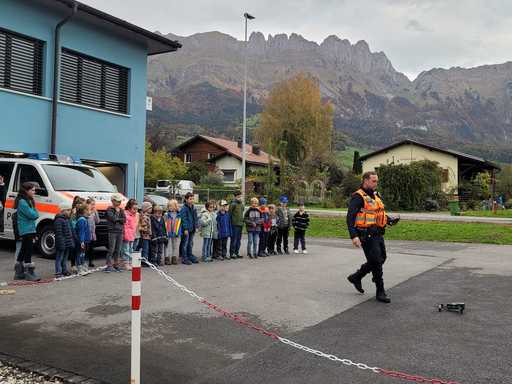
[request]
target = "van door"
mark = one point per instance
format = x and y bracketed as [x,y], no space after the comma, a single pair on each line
[6,171]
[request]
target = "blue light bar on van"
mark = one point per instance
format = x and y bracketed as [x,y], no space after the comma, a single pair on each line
[57,158]
[39,156]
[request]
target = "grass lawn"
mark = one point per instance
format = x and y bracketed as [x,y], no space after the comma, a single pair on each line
[500,213]
[420,230]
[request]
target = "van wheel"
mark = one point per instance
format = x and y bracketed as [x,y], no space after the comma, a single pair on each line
[46,242]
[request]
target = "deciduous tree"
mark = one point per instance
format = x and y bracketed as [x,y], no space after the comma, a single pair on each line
[159,165]
[294,112]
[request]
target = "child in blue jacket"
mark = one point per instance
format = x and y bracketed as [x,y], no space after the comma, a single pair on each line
[224,231]
[83,237]
[64,240]
[190,226]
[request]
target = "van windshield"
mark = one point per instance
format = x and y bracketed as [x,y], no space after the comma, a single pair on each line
[163,183]
[77,179]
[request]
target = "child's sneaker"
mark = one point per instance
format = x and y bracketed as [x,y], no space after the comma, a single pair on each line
[250,256]
[186,261]
[220,257]
[107,270]
[193,259]
[279,252]
[117,268]
[305,252]
[262,254]
[66,273]
[239,256]
[208,258]
[295,251]
[160,263]
[286,251]
[74,269]
[58,275]
[233,257]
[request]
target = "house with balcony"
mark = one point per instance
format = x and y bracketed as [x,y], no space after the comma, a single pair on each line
[223,155]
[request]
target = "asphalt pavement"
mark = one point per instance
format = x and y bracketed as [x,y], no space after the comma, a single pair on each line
[83,325]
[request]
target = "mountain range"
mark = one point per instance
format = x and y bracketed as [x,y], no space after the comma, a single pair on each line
[199,89]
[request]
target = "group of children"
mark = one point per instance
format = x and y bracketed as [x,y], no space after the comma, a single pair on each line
[155,231]
[267,228]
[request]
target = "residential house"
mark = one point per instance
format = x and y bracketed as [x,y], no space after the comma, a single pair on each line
[457,165]
[223,155]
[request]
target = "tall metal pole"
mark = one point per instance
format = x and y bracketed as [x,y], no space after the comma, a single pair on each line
[246,16]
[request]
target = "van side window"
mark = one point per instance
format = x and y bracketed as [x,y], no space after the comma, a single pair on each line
[6,171]
[28,173]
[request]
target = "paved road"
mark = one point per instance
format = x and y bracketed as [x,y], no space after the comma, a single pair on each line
[83,325]
[425,216]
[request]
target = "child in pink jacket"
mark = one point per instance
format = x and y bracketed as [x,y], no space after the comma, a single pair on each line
[130,228]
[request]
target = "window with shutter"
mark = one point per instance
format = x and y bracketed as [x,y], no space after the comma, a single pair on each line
[21,63]
[92,82]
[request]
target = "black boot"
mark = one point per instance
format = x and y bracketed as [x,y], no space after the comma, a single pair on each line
[355,279]
[381,293]
[19,271]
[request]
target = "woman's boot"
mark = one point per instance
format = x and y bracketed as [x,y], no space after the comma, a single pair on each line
[29,272]
[19,271]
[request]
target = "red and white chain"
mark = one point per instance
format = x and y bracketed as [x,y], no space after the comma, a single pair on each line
[418,379]
[60,278]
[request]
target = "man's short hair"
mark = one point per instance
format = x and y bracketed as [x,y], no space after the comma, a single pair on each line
[366,175]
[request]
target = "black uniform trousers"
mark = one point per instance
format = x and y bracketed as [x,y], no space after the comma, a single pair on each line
[375,252]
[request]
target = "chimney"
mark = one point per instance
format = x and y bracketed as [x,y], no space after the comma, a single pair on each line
[239,142]
[256,149]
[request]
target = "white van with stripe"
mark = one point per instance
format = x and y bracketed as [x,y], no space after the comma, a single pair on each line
[57,179]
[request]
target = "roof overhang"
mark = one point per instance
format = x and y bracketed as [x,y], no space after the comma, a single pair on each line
[461,155]
[155,43]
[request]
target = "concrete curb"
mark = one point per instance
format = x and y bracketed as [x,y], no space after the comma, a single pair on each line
[49,373]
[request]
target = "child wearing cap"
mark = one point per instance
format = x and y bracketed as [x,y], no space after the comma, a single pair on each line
[300,223]
[145,229]
[285,222]
[115,223]
[265,228]
[224,231]
[63,239]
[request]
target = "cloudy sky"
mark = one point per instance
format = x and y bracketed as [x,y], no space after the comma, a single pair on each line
[415,35]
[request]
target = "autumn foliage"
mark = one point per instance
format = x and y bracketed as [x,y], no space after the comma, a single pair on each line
[294,112]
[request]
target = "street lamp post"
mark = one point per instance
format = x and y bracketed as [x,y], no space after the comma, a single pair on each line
[246,16]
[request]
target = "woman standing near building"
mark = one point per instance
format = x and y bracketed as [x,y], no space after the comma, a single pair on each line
[27,216]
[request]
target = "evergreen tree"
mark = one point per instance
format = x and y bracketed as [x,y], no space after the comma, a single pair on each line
[357,167]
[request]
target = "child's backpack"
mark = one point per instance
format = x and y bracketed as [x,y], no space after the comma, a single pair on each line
[174,227]
[73,223]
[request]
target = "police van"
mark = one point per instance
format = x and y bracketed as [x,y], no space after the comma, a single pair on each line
[57,179]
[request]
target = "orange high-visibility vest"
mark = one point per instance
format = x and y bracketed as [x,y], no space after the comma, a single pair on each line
[372,214]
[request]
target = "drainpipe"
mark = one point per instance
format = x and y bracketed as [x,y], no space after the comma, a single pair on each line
[56,61]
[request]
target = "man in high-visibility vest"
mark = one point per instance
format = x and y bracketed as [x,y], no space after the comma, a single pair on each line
[366,220]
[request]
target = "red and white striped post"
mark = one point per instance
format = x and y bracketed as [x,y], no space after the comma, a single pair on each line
[136,290]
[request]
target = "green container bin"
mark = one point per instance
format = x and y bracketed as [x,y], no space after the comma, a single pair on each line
[454,207]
